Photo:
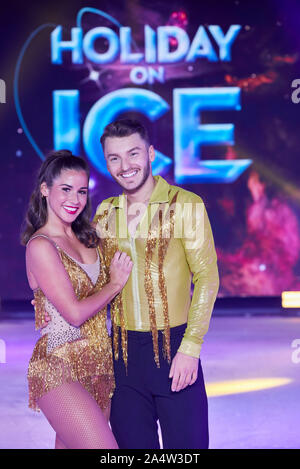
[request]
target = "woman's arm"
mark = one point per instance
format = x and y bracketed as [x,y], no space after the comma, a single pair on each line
[44,262]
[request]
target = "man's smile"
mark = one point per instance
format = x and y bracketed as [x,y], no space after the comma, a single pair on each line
[129,174]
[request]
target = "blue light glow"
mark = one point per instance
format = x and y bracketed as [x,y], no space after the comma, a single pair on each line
[66,123]
[108,108]
[189,135]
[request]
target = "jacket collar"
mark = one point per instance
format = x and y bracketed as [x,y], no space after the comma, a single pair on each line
[160,194]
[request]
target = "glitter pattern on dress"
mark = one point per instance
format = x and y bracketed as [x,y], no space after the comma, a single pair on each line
[65,353]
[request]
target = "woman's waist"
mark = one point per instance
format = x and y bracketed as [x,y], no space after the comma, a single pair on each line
[57,325]
[51,330]
[64,346]
[93,329]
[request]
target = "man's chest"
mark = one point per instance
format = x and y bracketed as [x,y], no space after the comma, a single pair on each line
[134,218]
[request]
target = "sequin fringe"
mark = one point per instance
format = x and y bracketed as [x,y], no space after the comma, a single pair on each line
[74,361]
[150,245]
[39,308]
[162,249]
[87,360]
[110,246]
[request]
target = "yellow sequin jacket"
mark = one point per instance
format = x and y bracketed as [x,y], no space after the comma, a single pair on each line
[173,245]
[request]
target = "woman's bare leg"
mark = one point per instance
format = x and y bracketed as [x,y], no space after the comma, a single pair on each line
[77,418]
[59,444]
[106,411]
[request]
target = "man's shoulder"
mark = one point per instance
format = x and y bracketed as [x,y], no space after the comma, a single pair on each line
[184,195]
[105,207]
[107,203]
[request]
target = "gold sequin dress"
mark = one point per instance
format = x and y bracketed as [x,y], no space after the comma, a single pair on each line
[66,353]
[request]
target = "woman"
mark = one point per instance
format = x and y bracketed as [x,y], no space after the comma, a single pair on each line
[70,373]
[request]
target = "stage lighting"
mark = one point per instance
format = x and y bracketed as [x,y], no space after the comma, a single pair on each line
[239,386]
[94,75]
[290,299]
[92,183]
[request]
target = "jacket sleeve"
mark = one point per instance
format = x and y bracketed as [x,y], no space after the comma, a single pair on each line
[98,213]
[201,256]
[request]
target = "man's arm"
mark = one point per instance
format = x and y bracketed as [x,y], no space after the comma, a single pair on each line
[201,256]
[202,259]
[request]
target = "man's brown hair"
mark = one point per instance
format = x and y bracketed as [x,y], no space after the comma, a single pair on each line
[124,128]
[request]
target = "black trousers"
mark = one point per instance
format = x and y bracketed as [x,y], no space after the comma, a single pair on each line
[144,396]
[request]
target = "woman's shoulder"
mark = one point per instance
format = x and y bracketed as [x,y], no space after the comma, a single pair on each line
[40,251]
[39,240]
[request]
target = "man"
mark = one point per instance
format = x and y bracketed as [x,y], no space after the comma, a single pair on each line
[157,329]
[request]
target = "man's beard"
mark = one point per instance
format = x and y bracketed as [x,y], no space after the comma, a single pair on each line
[135,189]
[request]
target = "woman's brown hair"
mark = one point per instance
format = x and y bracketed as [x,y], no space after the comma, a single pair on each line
[37,213]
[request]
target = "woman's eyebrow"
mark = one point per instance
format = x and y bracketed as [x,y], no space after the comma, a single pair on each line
[83,187]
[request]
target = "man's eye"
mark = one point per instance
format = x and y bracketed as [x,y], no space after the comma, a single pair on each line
[133,154]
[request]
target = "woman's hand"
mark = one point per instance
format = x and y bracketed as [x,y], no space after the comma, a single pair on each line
[46,319]
[120,269]
[43,260]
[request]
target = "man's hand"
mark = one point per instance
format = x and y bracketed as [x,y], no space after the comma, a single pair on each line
[184,371]
[46,316]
